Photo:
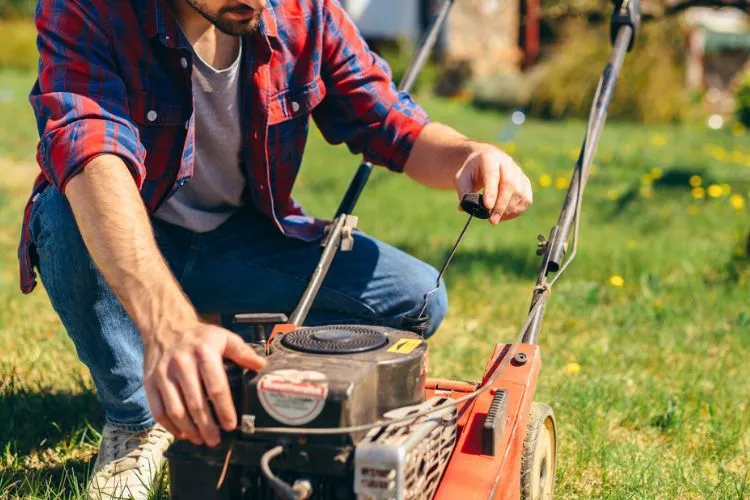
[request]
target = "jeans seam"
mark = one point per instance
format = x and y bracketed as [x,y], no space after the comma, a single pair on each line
[192,258]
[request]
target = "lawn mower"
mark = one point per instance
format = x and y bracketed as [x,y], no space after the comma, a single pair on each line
[348,411]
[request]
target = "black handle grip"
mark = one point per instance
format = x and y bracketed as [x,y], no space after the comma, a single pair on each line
[473,204]
[355,189]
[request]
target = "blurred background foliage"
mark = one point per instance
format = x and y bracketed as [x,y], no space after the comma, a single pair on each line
[651,86]
[10,9]
[743,99]
[19,44]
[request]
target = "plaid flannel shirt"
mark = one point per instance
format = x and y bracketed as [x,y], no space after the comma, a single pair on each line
[114,78]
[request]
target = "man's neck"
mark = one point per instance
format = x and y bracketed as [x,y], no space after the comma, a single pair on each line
[215,47]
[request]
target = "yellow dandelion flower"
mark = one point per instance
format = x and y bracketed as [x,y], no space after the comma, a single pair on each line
[714,191]
[719,154]
[646,191]
[737,201]
[545,180]
[613,194]
[737,128]
[617,280]
[656,173]
[693,209]
[736,157]
[647,180]
[632,244]
[562,183]
[695,181]
[573,154]
[698,193]
[509,147]
[572,368]
[658,140]
[726,189]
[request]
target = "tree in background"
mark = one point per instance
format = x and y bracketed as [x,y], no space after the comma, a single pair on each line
[653,83]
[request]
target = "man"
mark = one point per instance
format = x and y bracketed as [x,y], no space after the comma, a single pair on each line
[136,98]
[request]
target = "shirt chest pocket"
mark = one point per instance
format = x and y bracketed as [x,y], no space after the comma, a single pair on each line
[295,102]
[148,109]
[162,127]
[289,122]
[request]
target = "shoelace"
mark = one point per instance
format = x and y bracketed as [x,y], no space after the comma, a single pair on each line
[132,448]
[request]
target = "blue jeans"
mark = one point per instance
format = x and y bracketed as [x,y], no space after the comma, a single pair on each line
[245,265]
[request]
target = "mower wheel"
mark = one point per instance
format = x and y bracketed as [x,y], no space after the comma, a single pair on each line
[538,462]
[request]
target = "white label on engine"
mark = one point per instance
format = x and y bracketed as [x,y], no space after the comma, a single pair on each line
[293,397]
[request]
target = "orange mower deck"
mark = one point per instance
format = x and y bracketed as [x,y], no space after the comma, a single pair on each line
[471,473]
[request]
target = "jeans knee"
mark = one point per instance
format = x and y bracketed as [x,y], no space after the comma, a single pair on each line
[423,279]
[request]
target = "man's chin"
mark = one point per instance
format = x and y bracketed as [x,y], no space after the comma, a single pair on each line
[235,27]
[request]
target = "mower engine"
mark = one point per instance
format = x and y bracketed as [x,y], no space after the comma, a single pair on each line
[332,377]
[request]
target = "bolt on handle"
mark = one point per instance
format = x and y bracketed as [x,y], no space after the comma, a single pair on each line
[473,204]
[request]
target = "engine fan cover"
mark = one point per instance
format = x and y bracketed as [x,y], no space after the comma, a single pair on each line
[336,339]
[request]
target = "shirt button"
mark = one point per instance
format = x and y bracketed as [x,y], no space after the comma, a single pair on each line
[187,124]
[151,116]
[183,62]
[295,106]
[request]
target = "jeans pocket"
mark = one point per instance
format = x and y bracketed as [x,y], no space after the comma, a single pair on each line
[36,224]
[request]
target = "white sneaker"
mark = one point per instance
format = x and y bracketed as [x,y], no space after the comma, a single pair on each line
[128,463]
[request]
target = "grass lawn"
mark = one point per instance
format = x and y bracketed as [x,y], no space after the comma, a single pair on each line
[646,339]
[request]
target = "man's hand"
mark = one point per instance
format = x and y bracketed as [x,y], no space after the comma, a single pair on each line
[444,158]
[507,190]
[184,375]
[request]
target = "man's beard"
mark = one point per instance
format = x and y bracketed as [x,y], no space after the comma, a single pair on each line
[233,28]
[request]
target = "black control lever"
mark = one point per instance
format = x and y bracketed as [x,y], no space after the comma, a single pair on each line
[472,204]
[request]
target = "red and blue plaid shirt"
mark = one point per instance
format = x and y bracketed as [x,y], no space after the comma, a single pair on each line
[114,78]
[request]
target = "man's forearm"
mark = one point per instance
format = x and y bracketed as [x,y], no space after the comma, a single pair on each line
[118,234]
[437,155]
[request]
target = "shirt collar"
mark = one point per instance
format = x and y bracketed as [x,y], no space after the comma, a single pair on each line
[268,21]
[160,23]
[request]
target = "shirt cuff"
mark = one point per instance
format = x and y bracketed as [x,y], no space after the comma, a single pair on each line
[398,133]
[64,152]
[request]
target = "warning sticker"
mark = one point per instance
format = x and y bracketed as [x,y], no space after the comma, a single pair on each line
[405,346]
[293,397]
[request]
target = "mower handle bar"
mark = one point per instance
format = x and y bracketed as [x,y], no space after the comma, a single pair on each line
[554,248]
